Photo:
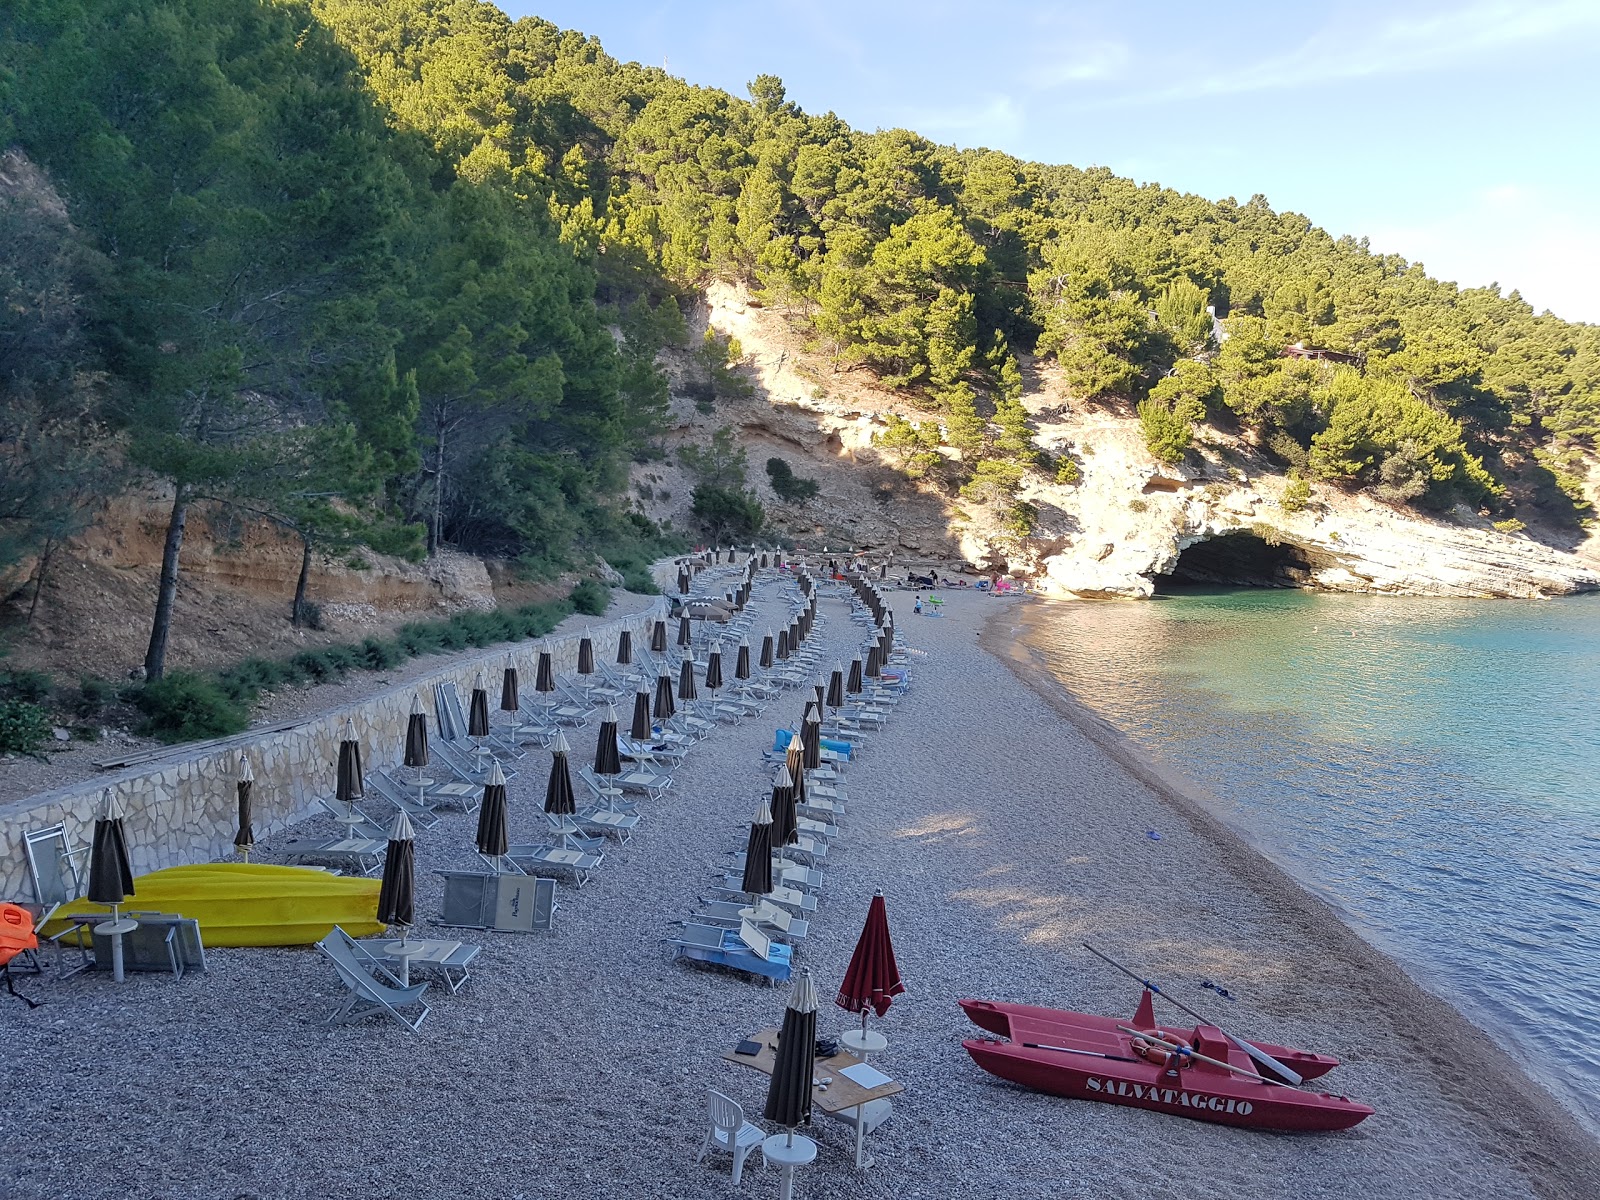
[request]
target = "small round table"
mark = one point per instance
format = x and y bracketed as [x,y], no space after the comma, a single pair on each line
[788,1156]
[403,950]
[114,930]
[863,1042]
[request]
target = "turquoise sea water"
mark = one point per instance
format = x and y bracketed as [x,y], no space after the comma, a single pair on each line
[1430,767]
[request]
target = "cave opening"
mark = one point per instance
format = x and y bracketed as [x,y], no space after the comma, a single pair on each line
[1238,560]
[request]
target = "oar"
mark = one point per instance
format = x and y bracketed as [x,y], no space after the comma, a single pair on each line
[1195,1054]
[1070,1050]
[1255,1052]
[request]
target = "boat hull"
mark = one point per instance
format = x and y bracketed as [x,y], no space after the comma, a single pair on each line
[1217,1097]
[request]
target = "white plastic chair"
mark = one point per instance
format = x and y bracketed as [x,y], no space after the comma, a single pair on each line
[729,1131]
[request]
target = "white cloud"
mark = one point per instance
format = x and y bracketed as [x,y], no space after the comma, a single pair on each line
[993,121]
[1521,238]
[1065,64]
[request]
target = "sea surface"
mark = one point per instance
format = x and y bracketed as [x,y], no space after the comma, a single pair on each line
[1429,767]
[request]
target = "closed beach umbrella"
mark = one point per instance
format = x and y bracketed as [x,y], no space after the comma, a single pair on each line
[872,980]
[767,645]
[758,853]
[658,637]
[783,645]
[811,737]
[625,648]
[852,683]
[492,837]
[607,759]
[714,668]
[665,707]
[348,784]
[110,869]
[416,734]
[785,823]
[478,713]
[509,700]
[835,696]
[683,581]
[685,632]
[686,689]
[544,676]
[794,761]
[765,562]
[874,659]
[789,1094]
[245,839]
[397,894]
[558,797]
[586,654]
[741,663]
[794,635]
[820,690]
[641,730]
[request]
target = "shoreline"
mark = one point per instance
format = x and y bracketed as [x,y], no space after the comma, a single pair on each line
[1470,1062]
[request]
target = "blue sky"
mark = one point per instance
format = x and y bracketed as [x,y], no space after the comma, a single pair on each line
[1462,135]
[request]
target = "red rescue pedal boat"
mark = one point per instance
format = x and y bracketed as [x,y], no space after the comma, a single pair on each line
[1087,1057]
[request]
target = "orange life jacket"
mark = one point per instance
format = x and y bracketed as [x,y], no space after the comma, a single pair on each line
[16,932]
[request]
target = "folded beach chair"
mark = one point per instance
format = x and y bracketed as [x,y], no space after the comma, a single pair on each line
[453,726]
[162,942]
[373,988]
[744,949]
[463,761]
[772,919]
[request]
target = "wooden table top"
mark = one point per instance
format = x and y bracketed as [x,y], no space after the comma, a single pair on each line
[839,1095]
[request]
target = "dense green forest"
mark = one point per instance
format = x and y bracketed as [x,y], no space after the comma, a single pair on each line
[397,272]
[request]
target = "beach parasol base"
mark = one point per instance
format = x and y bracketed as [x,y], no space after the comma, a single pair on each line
[114,929]
[403,950]
[863,1042]
[788,1152]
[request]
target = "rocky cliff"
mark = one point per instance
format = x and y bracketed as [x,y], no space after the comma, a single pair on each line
[1125,525]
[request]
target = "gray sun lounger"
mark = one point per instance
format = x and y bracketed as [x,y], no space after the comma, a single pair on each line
[392,791]
[373,989]
[532,859]
[163,942]
[453,967]
[503,898]
[790,898]
[361,855]
[772,919]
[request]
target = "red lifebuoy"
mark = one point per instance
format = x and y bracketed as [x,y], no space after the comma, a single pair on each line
[1168,1053]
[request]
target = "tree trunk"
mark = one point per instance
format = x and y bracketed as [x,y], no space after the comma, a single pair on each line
[438,490]
[298,608]
[38,576]
[155,658]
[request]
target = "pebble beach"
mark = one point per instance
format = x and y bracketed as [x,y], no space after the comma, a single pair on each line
[1005,827]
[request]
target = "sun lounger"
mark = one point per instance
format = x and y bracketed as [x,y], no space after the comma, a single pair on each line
[162,942]
[618,825]
[361,855]
[373,988]
[507,899]
[453,725]
[772,919]
[634,778]
[403,797]
[791,898]
[744,949]
[571,834]
[533,859]
[453,966]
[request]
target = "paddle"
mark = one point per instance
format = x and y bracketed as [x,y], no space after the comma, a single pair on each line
[1070,1050]
[1255,1052]
[1195,1054]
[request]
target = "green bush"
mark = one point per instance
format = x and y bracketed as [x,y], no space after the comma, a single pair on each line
[1296,495]
[1166,433]
[22,727]
[1510,525]
[788,485]
[727,514]
[184,707]
[31,687]
[93,697]
[1067,471]
[379,655]
[590,597]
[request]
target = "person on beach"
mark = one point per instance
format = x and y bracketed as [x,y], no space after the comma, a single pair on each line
[917,607]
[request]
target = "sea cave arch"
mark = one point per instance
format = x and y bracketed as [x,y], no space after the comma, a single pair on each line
[1239,559]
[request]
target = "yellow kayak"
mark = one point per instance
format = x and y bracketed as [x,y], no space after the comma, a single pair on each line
[252,904]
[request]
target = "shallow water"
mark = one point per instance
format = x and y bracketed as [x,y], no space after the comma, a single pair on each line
[1430,767]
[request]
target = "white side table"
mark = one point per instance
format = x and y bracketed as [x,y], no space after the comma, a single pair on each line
[114,930]
[863,1042]
[788,1156]
[403,950]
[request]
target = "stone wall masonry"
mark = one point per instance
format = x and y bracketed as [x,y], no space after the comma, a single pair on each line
[182,808]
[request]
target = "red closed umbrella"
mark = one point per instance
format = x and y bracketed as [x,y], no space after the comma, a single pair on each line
[872,979]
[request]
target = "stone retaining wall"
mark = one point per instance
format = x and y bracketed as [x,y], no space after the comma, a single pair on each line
[181,808]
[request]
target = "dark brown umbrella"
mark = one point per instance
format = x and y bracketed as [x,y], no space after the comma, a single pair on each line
[586,654]
[558,797]
[686,688]
[853,683]
[835,697]
[764,562]
[874,658]
[665,708]
[244,841]
[544,676]
[509,700]
[625,648]
[741,663]
[683,582]
[819,690]
[872,980]
[416,754]
[714,668]
[478,712]
[348,785]
[783,645]
[658,637]
[789,1094]
[794,636]
[642,730]
[758,853]
[397,894]
[811,737]
[607,758]
[785,821]
[767,651]
[492,837]
[110,869]
[685,632]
